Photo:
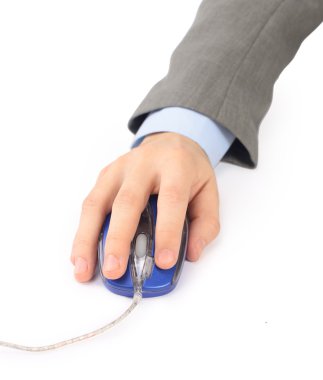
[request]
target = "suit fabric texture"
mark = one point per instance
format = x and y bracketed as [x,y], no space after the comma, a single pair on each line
[226,65]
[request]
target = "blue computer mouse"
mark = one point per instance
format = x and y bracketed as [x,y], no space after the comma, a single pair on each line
[156,281]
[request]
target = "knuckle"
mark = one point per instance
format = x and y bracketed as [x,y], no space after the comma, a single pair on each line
[172,226]
[81,242]
[94,198]
[166,231]
[125,198]
[214,227]
[116,236]
[168,234]
[113,166]
[90,202]
[173,193]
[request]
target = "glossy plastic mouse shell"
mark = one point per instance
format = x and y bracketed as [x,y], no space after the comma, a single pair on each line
[161,281]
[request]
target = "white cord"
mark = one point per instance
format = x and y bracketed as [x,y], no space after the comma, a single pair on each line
[136,299]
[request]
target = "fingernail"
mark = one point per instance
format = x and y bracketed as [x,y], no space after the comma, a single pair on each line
[111,263]
[200,245]
[80,265]
[166,257]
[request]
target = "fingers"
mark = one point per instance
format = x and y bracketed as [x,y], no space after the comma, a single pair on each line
[204,219]
[126,210]
[172,206]
[169,166]
[94,210]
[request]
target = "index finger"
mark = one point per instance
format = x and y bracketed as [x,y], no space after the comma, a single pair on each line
[94,209]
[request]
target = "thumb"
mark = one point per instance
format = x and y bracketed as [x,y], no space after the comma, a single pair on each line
[203,212]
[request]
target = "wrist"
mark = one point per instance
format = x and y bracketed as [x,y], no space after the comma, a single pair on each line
[178,140]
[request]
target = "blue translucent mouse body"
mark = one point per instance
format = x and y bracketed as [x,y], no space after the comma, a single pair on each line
[141,258]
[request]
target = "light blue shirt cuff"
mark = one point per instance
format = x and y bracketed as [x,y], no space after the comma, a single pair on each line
[213,138]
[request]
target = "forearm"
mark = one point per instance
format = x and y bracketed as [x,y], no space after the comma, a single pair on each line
[226,65]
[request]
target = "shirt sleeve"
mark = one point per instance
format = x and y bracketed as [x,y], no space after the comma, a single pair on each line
[214,139]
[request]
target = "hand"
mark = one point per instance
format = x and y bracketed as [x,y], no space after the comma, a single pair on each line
[168,164]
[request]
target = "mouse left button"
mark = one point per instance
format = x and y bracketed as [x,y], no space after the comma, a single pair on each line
[141,245]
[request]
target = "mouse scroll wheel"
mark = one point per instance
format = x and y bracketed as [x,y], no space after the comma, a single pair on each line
[141,245]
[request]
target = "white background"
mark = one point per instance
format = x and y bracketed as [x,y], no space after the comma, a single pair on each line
[71,75]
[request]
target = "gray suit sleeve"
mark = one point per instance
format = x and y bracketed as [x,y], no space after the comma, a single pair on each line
[226,65]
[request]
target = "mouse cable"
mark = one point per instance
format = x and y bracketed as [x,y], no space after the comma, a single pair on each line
[137,296]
